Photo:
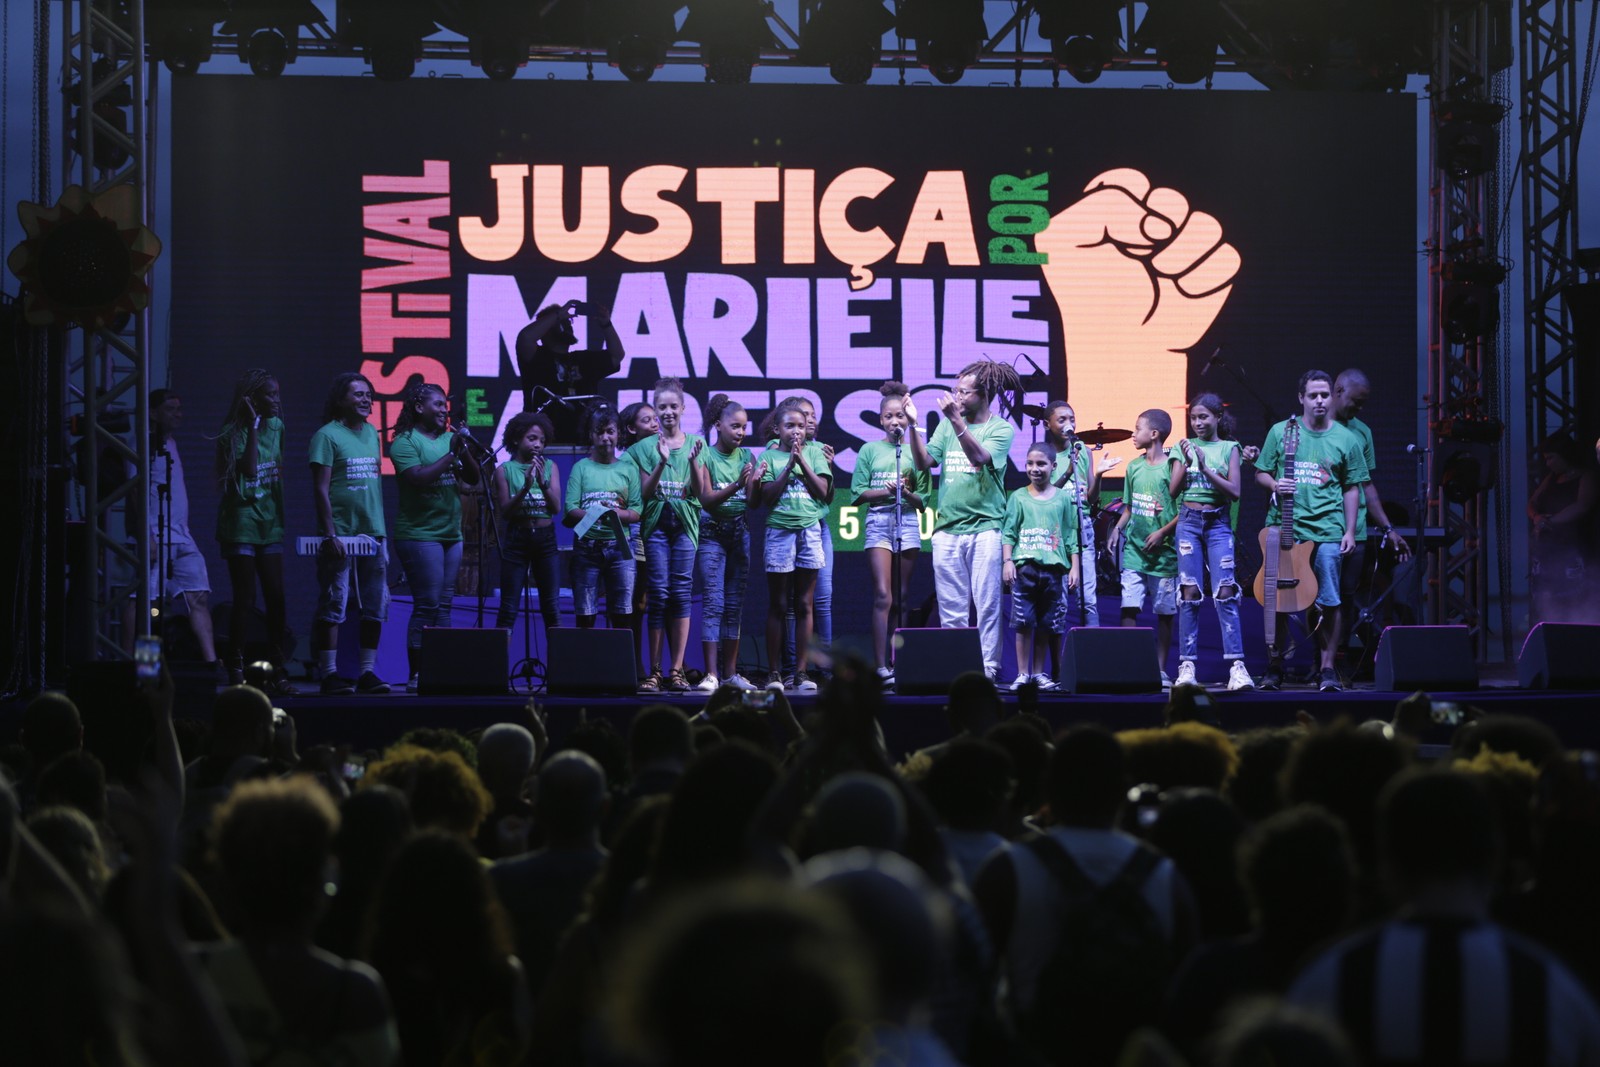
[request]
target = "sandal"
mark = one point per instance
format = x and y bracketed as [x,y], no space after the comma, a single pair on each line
[677,683]
[651,683]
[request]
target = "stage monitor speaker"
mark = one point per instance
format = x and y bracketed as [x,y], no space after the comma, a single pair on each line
[1430,658]
[463,661]
[926,661]
[585,662]
[1560,655]
[1110,659]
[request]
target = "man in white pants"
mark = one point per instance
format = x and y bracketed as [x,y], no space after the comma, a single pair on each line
[970,448]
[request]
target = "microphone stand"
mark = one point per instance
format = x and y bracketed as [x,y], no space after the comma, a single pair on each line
[896,601]
[163,541]
[486,467]
[1238,375]
[1081,498]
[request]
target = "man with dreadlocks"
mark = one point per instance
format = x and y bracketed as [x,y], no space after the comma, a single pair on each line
[970,448]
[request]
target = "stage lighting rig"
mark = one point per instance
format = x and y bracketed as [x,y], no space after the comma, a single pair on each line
[1185,35]
[111,109]
[499,33]
[179,31]
[1084,34]
[388,32]
[949,34]
[269,31]
[731,35]
[846,36]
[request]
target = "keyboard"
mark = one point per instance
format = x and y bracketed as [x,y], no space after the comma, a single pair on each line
[359,545]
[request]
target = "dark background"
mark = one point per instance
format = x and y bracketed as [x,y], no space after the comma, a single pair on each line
[1315,190]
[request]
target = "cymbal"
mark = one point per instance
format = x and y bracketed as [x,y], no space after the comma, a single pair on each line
[1034,411]
[1103,436]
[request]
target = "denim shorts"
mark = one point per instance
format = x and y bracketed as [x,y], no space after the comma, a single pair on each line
[1326,565]
[372,585]
[608,562]
[880,529]
[789,550]
[1137,587]
[1039,598]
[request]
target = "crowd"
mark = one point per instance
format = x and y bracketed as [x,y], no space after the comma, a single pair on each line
[741,888]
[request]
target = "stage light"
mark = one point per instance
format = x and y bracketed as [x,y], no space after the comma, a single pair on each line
[389,33]
[1083,34]
[731,35]
[1466,139]
[1184,34]
[179,32]
[1466,473]
[1470,300]
[269,32]
[846,36]
[636,56]
[112,111]
[499,57]
[949,34]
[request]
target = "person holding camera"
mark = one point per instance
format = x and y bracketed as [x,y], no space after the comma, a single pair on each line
[558,380]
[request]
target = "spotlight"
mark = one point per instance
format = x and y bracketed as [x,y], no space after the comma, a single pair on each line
[1470,302]
[1466,472]
[949,34]
[388,32]
[499,57]
[636,56]
[268,53]
[1184,34]
[731,35]
[1083,34]
[846,36]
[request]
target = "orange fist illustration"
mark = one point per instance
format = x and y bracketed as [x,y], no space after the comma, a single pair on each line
[1138,278]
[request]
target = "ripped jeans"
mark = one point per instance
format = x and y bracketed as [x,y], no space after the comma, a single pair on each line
[1205,541]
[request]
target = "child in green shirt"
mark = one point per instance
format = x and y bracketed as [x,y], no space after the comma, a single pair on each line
[727,484]
[795,483]
[1144,532]
[527,493]
[1039,547]
[602,481]
[890,547]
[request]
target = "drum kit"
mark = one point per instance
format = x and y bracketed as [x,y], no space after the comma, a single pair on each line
[1108,568]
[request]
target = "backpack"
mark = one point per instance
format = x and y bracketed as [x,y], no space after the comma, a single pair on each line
[1109,969]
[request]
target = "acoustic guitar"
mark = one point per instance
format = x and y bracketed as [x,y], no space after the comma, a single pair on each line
[1286,582]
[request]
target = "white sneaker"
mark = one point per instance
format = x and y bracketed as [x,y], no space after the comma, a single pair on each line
[411,684]
[708,684]
[775,685]
[1186,673]
[1046,683]
[1239,678]
[740,682]
[886,675]
[803,684]
[1166,680]
[1019,681]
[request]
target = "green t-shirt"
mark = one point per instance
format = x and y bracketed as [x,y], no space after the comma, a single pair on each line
[971,500]
[726,468]
[1218,455]
[429,512]
[356,487]
[1078,487]
[875,470]
[1146,493]
[611,485]
[1045,531]
[1325,465]
[534,506]
[673,489]
[251,509]
[1369,455]
[796,508]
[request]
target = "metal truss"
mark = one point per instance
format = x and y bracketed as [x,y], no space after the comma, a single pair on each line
[108,379]
[1549,73]
[1463,360]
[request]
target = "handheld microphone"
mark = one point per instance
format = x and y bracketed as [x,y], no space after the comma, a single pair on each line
[897,433]
[1417,450]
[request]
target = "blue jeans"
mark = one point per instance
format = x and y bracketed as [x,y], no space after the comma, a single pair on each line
[821,606]
[521,549]
[669,557]
[724,563]
[1205,541]
[602,561]
[430,568]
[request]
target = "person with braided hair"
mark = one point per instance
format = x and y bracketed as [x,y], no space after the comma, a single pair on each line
[250,515]
[970,448]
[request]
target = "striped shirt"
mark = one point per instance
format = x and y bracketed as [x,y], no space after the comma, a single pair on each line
[1452,991]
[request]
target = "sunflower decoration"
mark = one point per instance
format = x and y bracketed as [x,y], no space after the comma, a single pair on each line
[84,260]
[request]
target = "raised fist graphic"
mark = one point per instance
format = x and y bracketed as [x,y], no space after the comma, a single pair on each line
[1138,277]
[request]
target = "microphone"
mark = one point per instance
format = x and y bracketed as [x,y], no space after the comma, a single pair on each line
[1036,368]
[1417,450]
[897,433]
[466,435]
[1216,357]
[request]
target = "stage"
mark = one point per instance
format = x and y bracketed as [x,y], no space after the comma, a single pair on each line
[909,723]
